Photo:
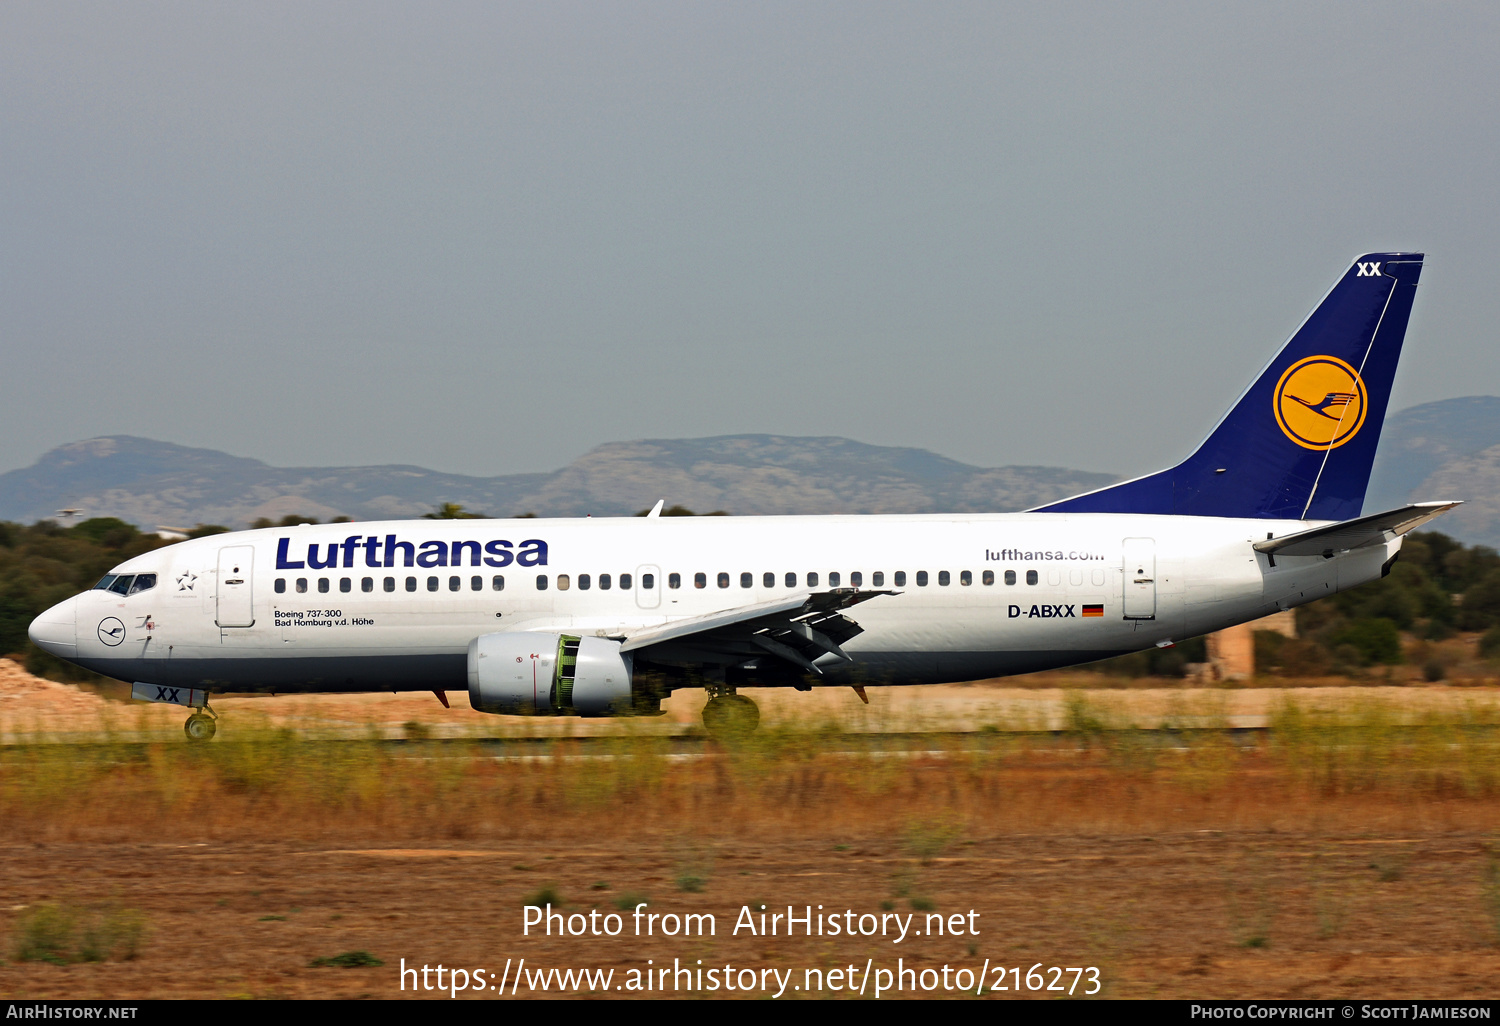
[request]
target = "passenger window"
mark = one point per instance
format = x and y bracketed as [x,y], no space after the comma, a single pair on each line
[674,580]
[281,585]
[965,578]
[768,580]
[723,580]
[900,578]
[812,579]
[921,578]
[345,584]
[390,584]
[648,581]
[1031,577]
[432,584]
[856,579]
[301,585]
[143,582]
[624,582]
[791,580]
[878,578]
[989,577]
[1010,577]
[747,580]
[122,584]
[411,584]
[322,585]
[834,579]
[497,583]
[585,582]
[700,580]
[943,578]
[604,582]
[476,583]
[541,582]
[563,582]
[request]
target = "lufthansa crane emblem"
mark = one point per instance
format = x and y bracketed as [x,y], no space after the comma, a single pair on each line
[1320,402]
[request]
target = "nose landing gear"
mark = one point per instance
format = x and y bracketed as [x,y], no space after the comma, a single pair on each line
[201,726]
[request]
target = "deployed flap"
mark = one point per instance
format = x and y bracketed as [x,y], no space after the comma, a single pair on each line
[1354,534]
[798,629]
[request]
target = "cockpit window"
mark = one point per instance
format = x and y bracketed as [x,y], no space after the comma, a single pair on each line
[121,585]
[142,582]
[105,582]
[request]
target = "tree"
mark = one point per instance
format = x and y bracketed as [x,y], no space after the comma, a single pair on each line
[453,511]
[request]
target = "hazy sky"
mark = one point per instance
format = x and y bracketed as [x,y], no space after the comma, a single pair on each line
[487,237]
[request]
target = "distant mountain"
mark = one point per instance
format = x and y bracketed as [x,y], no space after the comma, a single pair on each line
[1418,441]
[1444,450]
[157,483]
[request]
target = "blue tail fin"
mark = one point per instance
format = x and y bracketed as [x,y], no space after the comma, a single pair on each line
[1299,443]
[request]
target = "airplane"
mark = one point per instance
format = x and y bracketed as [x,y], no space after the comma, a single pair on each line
[609,616]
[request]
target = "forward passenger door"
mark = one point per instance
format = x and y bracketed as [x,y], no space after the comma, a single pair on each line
[236,571]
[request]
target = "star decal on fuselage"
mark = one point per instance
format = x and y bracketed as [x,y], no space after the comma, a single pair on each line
[186,581]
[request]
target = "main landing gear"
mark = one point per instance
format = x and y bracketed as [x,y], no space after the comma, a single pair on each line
[202,725]
[728,715]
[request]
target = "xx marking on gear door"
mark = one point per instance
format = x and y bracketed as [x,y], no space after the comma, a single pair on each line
[1140,578]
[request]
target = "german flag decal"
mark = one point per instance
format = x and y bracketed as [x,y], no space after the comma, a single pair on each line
[1094,610]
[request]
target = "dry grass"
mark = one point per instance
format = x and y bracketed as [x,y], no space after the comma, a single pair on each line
[1352,850]
[1359,768]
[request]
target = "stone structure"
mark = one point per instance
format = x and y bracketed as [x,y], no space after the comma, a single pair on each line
[1231,652]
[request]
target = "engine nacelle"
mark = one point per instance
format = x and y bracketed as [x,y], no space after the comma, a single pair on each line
[549,674]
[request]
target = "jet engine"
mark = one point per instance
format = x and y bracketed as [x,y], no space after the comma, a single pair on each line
[549,674]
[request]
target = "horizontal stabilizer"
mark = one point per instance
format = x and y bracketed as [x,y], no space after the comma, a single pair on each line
[1354,534]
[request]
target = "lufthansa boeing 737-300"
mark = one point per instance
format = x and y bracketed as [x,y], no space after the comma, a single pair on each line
[606,617]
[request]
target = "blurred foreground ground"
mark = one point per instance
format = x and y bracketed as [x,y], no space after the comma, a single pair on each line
[31,706]
[1341,855]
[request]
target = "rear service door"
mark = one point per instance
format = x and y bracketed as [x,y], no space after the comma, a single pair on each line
[1140,578]
[236,563]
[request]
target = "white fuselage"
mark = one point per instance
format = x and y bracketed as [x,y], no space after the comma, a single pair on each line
[253,610]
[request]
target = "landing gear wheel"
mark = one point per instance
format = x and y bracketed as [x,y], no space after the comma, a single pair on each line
[730,716]
[200,727]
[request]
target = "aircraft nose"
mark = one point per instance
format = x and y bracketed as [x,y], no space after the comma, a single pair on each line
[56,630]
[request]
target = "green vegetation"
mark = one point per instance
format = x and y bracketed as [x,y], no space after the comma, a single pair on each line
[544,896]
[453,511]
[62,933]
[348,960]
[683,511]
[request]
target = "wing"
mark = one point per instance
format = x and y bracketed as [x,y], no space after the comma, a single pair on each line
[797,630]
